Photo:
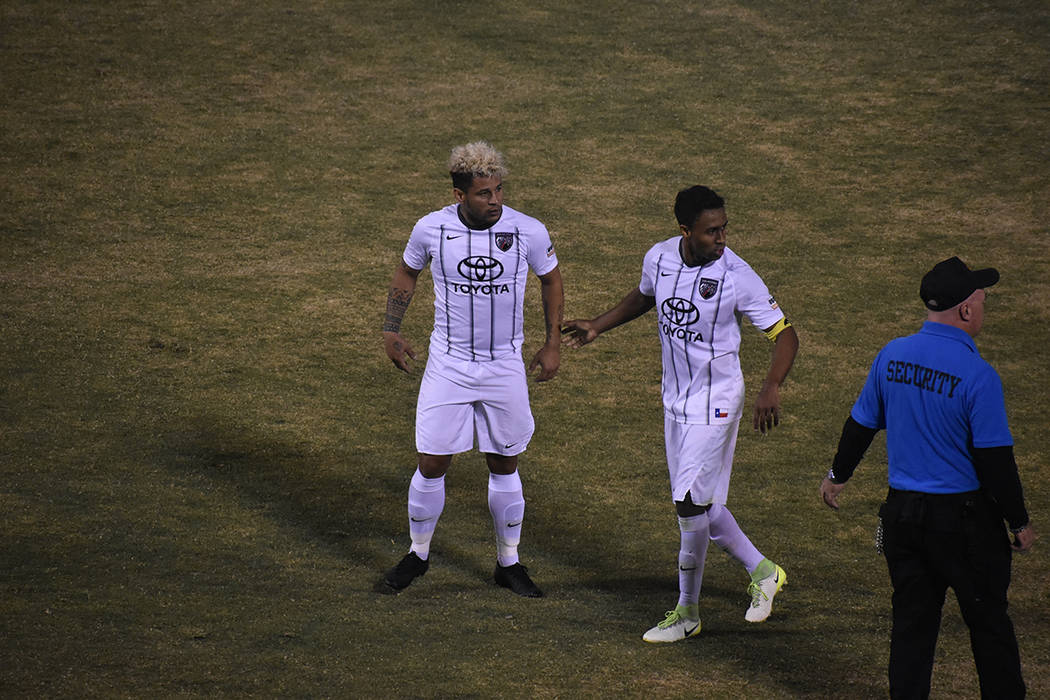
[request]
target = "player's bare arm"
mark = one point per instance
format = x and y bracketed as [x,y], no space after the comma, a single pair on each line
[548,359]
[578,332]
[767,405]
[402,287]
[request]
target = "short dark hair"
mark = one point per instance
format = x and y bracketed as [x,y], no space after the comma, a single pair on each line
[691,201]
[462,181]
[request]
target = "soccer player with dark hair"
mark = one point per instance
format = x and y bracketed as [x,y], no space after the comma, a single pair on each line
[701,288]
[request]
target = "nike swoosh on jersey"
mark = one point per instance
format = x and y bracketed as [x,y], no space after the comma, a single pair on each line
[452,238]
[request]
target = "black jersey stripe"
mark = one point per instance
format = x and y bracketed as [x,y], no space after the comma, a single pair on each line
[660,317]
[444,279]
[492,304]
[517,268]
[685,348]
[470,254]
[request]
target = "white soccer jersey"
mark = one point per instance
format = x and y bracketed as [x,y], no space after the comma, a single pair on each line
[698,318]
[479,279]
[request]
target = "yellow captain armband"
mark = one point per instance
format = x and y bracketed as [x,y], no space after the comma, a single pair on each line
[773,332]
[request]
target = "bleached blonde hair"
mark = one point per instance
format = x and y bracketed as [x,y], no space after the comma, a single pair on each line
[478,159]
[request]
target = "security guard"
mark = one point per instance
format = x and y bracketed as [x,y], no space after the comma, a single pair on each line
[953,480]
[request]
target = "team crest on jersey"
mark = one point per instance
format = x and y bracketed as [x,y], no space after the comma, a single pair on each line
[504,241]
[707,288]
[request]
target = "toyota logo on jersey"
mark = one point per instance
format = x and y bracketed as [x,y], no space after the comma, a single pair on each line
[680,312]
[480,268]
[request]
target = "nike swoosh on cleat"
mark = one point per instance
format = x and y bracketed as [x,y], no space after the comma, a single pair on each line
[690,631]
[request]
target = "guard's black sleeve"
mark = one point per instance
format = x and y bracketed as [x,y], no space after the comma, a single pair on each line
[997,471]
[853,443]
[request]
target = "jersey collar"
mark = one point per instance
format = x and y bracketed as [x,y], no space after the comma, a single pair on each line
[951,332]
[709,263]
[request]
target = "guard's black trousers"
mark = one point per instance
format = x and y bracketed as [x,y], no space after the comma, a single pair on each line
[933,541]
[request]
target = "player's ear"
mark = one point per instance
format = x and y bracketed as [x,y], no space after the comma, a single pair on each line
[684,229]
[459,194]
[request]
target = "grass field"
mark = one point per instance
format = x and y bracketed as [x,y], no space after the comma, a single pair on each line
[204,452]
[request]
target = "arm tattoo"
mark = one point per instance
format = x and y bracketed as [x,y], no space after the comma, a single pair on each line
[553,321]
[396,306]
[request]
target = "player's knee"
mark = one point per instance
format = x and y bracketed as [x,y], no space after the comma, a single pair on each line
[686,508]
[501,464]
[434,466]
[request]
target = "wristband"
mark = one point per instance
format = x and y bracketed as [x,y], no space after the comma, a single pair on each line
[1019,530]
[833,479]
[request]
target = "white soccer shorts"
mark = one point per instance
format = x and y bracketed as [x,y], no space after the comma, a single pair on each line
[700,460]
[458,398]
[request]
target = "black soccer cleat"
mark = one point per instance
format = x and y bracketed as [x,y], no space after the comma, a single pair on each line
[407,570]
[516,578]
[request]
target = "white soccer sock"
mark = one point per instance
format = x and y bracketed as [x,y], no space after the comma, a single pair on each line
[727,534]
[507,505]
[426,500]
[692,554]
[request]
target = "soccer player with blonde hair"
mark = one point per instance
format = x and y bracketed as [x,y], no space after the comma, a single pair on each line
[480,252]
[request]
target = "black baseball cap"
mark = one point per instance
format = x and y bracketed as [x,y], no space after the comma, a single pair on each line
[950,282]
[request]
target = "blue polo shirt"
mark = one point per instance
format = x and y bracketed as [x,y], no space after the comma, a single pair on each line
[937,398]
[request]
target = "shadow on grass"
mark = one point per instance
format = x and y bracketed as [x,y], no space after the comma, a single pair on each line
[339,500]
[352,504]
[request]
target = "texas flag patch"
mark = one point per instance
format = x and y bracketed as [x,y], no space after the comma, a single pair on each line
[721,413]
